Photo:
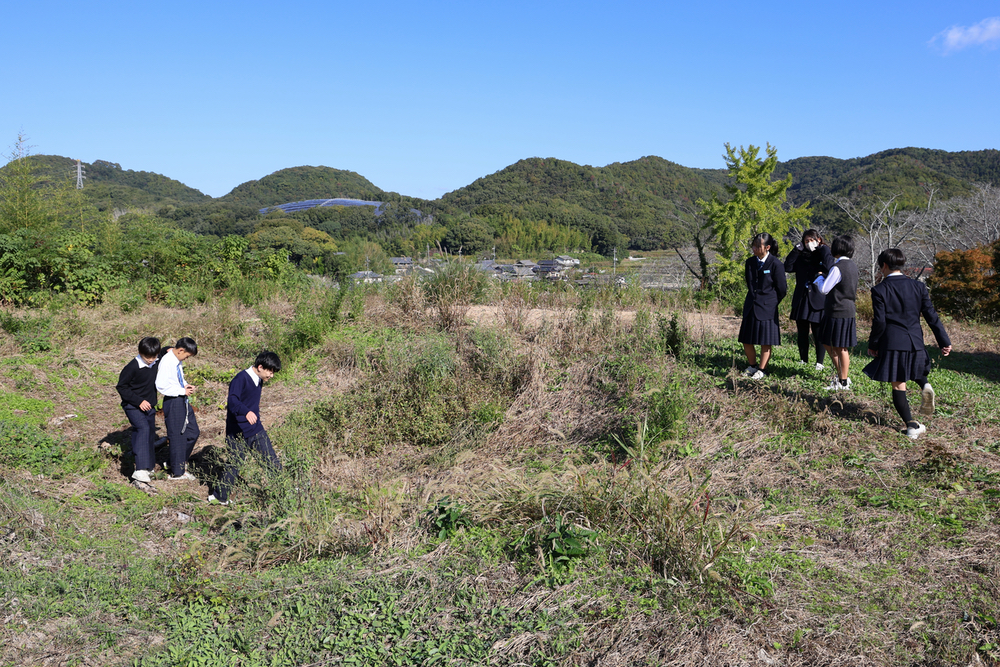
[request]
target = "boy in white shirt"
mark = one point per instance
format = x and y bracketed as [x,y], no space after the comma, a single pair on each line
[178,417]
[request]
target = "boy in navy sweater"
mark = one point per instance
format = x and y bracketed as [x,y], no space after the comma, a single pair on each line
[244,429]
[137,387]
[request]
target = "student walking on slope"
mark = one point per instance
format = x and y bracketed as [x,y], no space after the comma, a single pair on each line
[244,428]
[897,341]
[766,287]
[808,260]
[839,330]
[178,417]
[137,387]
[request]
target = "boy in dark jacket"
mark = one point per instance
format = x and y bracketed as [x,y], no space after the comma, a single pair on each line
[244,429]
[137,387]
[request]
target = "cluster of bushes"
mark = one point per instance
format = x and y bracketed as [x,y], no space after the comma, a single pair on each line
[966,283]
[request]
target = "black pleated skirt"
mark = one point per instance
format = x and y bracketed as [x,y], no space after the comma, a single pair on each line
[803,312]
[899,365]
[839,332]
[759,332]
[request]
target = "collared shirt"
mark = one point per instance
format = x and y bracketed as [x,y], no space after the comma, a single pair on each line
[253,376]
[142,362]
[169,376]
[827,284]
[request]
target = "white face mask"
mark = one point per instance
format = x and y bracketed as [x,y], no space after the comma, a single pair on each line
[812,245]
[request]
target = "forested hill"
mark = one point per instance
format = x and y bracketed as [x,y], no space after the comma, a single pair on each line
[597,189]
[640,198]
[908,172]
[108,186]
[301,183]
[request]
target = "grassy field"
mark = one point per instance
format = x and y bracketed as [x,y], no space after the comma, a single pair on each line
[505,475]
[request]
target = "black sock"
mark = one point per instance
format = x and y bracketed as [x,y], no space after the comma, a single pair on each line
[803,339]
[920,382]
[903,407]
[843,382]
[820,350]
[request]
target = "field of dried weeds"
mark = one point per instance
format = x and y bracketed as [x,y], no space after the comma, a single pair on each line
[541,478]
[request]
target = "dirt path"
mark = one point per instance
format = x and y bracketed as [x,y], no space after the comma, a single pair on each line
[698,324]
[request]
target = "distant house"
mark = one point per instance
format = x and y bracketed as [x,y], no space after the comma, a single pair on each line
[366,277]
[402,264]
[489,266]
[517,272]
[551,269]
[567,261]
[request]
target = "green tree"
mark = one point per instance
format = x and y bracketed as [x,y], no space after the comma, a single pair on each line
[756,204]
[21,204]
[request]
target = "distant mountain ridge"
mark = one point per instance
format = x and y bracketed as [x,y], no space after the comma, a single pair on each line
[639,199]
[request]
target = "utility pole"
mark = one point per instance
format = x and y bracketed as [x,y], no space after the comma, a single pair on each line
[614,266]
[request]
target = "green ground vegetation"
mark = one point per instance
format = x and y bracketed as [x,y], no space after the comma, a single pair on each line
[486,474]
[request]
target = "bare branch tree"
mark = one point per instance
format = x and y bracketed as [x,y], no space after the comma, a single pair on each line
[881,223]
[959,223]
[694,231]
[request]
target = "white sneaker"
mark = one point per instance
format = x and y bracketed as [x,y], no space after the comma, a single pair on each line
[927,400]
[914,433]
[819,366]
[802,362]
[212,500]
[836,386]
[750,371]
[185,477]
[142,476]
[759,375]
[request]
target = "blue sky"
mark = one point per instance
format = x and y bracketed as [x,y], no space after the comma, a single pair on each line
[423,98]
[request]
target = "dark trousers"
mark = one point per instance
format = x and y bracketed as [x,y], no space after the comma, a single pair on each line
[143,436]
[175,410]
[802,327]
[238,449]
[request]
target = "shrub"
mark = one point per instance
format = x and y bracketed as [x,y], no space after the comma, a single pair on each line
[965,283]
[453,290]
[32,333]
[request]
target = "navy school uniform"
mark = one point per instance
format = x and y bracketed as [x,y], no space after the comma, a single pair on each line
[178,417]
[807,300]
[137,383]
[897,304]
[766,287]
[241,435]
[839,328]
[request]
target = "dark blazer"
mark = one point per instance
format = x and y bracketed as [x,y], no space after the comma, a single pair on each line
[898,302]
[806,266]
[244,397]
[766,287]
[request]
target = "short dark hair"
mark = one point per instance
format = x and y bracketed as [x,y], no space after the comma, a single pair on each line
[892,258]
[149,347]
[269,360]
[188,345]
[843,246]
[811,235]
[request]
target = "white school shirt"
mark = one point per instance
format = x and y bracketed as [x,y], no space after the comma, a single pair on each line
[253,376]
[169,375]
[827,284]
